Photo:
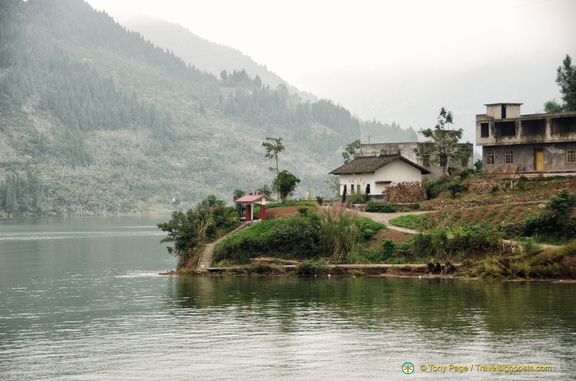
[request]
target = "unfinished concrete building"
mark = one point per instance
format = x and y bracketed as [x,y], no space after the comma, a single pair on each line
[515,143]
[408,151]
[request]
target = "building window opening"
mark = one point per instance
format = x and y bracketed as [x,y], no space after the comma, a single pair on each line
[484,130]
[368,189]
[563,125]
[490,157]
[505,129]
[503,111]
[533,127]
[571,156]
[352,188]
[509,157]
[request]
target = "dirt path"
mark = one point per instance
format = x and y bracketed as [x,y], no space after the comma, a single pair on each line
[385,218]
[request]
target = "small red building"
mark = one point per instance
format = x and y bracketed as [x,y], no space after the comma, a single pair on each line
[255,198]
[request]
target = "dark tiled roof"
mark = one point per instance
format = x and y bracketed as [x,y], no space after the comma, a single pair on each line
[369,164]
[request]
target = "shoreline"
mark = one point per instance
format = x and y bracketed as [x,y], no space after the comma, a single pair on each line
[411,271]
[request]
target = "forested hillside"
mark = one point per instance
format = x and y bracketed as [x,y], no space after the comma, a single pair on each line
[96,120]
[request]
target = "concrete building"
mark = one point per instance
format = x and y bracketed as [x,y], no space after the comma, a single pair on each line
[408,151]
[371,175]
[515,143]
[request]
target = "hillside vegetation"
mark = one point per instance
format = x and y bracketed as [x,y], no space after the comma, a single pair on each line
[96,120]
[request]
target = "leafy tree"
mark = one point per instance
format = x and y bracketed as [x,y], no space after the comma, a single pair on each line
[552,106]
[187,230]
[265,189]
[273,147]
[285,183]
[235,196]
[352,151]
[566,79]
[443,149]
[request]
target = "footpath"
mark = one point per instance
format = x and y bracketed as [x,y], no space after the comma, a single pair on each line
[385,218]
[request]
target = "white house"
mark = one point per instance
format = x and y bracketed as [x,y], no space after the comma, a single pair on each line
[371,175]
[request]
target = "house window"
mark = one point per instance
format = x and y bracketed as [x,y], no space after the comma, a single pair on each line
[571,156]
[509,157]
[484,130]
[490,157]
[368,189]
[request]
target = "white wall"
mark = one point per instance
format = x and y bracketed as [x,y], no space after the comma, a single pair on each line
[397,171]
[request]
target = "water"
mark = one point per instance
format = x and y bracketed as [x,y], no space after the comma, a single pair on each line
[81,299]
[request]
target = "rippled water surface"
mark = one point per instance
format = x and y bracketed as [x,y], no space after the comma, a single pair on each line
[80,299]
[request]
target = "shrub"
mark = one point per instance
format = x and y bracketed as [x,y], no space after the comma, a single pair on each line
[369,227]
[446,244]
[556,223]
[381,207]
[295,236]
[455,189]
[357,197]
[310,267]
[434,187]
[388,248]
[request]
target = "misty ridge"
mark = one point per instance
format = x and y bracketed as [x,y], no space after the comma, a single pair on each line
[97,120]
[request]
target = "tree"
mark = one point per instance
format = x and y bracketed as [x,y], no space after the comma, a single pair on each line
[265,189]
[210,219]
[566,79]
[352,151]
[273,147]
[235,196]
[552,106]
[443,149]
[285,183]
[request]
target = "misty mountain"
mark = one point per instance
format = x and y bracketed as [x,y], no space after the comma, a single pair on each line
[214,58]
[203,54]
[95,119]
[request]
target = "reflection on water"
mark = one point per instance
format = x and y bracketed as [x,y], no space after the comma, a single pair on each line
[90,305]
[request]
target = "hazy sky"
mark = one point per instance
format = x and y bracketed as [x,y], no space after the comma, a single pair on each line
[393,60]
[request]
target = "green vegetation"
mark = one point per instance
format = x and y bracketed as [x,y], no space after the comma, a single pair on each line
[21,194]
[285,183]
[444,149]
[190,230]
[310,267]
[556,223]
[333,232]
[455,244]
[381,207]
[352,151]
[566,79]
[530,264]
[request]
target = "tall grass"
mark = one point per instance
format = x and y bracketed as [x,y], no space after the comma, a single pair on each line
[340,231]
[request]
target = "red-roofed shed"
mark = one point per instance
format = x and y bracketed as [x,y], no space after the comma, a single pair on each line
[255,198]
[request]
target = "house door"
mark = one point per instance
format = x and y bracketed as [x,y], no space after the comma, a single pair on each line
[539,160]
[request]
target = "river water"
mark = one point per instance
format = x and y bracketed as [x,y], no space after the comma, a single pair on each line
[81,299]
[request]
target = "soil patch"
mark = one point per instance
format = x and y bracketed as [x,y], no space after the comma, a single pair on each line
[396,236]
[281,211]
